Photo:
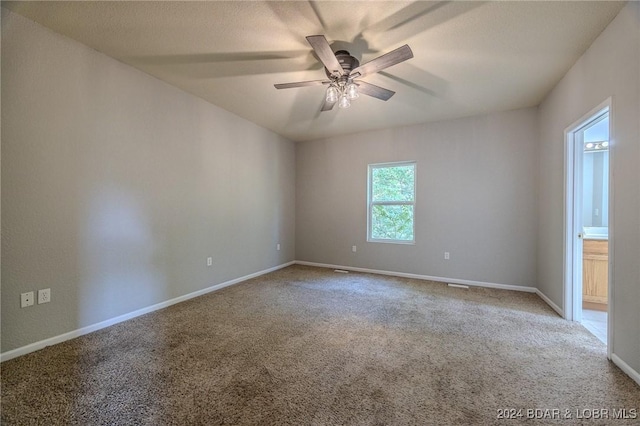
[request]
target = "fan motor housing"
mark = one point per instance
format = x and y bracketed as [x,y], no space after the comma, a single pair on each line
[347,62]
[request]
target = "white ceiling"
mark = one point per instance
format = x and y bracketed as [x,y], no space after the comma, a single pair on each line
[469,57]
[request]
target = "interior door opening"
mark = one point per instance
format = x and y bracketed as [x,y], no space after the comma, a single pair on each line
[587,216]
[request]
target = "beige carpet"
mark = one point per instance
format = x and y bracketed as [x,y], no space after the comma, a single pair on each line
[307,346]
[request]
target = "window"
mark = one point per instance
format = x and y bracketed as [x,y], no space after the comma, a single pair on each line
[392,188]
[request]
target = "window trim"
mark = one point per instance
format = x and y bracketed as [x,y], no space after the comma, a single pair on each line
[371,203]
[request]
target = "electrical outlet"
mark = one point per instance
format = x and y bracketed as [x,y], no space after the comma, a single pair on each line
[209,261]
[44,296]
[354,248]
[26,299]
[446,255]
[278,247]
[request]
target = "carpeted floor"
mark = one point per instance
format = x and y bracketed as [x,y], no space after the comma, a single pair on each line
[307,346]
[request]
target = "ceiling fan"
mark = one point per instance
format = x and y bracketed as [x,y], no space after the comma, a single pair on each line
[342,70]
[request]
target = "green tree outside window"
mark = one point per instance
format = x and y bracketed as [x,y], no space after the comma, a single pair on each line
[392,202]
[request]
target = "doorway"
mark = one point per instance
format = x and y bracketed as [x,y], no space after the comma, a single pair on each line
[587,176]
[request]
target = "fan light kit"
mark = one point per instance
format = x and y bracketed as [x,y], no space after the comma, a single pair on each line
[342,91]
[342,70]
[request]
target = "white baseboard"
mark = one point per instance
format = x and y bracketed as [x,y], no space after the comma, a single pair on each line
[626,368]
[421,277]
[549,302]
[94,327]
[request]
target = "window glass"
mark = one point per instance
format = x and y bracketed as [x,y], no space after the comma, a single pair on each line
[391,202]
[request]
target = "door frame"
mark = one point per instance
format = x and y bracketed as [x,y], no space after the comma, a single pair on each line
[572,288]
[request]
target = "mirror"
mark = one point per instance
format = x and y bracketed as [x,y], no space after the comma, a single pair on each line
[595,197]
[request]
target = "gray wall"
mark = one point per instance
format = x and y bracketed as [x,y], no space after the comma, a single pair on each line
[610,67]
[116,187]
[476,198]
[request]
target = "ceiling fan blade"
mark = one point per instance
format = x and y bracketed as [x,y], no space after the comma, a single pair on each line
[435,82]
[301,84]
[327,106]
[375,91]
[201,58]
[316,10]
[394,57]
[325,54]
[418,17]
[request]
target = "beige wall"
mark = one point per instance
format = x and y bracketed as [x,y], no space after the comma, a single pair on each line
[609,68]
[116,187]
[476,198]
